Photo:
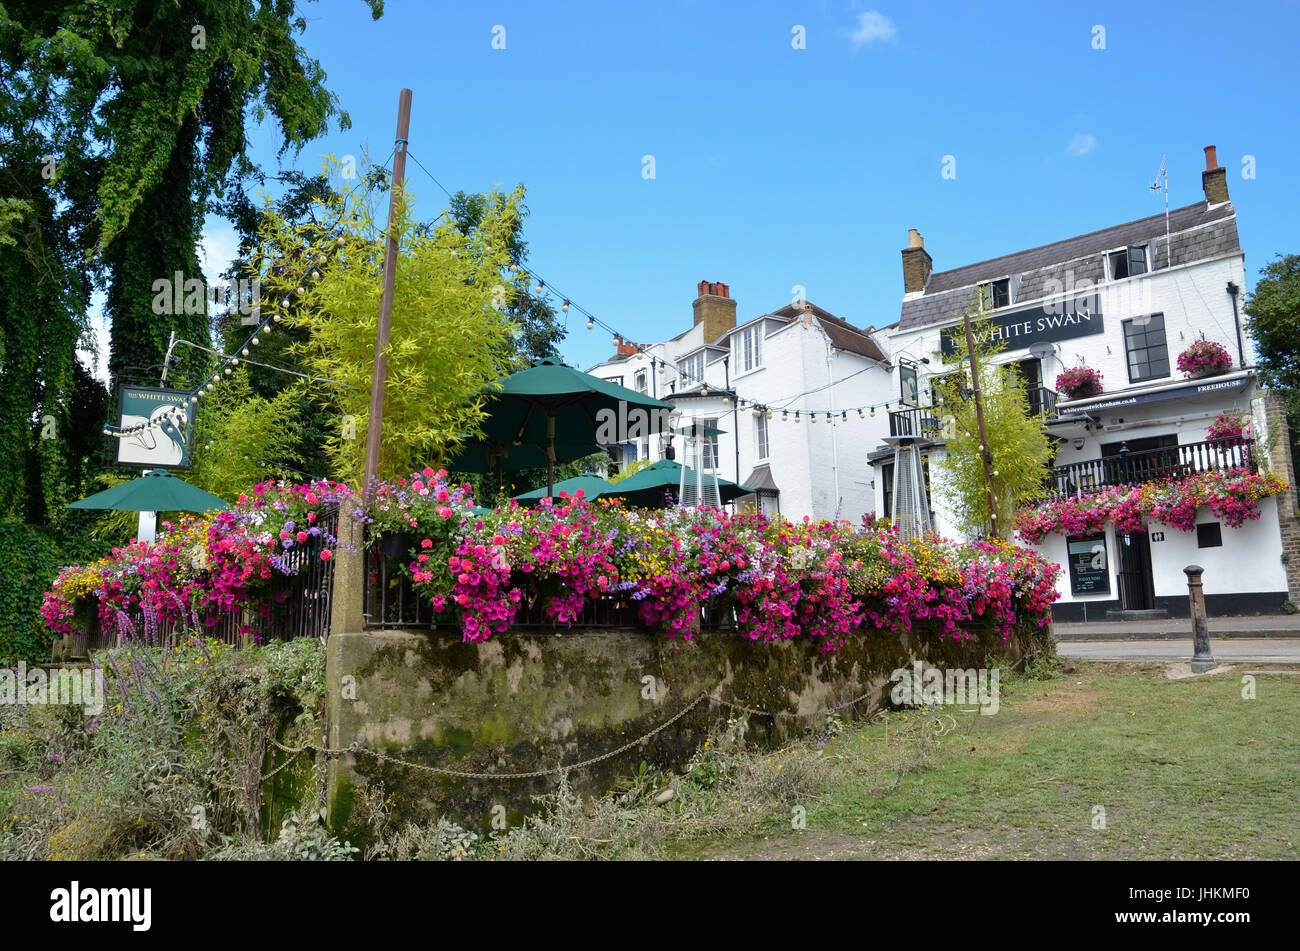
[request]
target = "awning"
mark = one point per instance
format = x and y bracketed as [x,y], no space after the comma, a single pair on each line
[761,481]
[1166,391]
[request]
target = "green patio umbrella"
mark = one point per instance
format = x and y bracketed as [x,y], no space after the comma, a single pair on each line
[591,486]
[648,487]
[553,413]
[155,491]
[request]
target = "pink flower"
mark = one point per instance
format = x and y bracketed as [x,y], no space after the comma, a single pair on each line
[302,536]
[326,555]
[443,495]
[444,512]
[427,543]
[428,473]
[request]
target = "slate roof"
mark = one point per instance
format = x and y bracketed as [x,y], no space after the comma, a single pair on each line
[844,336]
[1197,232]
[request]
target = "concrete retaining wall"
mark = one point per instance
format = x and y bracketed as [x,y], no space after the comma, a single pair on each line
[532,701]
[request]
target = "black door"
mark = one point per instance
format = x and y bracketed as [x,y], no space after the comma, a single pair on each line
[1136,587]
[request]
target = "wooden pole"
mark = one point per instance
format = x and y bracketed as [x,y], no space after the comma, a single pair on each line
[374,432]
[985,455]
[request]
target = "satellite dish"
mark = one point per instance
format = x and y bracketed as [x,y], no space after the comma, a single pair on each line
[1041,350]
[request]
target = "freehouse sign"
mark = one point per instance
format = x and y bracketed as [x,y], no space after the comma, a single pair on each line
[1061,319]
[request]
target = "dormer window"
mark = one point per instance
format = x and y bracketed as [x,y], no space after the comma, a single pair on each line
[1127,262]
[748,348]
[997,293]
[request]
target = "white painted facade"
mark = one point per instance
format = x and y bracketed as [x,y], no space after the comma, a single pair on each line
[820,469]
[1193,300]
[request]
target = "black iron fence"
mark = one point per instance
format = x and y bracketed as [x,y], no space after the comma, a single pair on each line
[296,604]
[1151,465]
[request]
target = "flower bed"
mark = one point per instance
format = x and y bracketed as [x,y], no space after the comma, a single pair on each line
[1233,495]
[200,567]
[815,579]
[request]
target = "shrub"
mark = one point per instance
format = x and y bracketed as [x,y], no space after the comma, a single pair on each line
[29,562]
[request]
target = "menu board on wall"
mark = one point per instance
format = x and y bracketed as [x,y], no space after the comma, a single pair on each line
[1089,568]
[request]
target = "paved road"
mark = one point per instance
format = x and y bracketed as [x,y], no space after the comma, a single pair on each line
[1243,650]
[1267,625]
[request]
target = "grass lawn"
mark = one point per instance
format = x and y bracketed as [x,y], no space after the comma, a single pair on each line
[1184,769]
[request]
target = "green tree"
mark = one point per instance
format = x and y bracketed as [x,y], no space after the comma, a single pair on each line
[450,340]
[1018,441]
[539,334]
[1273,309]
[147,105]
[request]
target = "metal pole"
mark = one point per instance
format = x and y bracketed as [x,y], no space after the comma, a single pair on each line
[1201,659]
[986,456]
[374,432]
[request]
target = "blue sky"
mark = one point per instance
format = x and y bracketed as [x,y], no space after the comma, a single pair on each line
[777,167]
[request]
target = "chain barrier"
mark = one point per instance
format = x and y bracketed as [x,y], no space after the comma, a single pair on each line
[357,749]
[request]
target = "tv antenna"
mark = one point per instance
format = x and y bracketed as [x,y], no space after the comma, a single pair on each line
[1162,184]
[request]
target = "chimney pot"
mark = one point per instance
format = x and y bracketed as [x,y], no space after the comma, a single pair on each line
[1214,180]
[717,316]
[917,263]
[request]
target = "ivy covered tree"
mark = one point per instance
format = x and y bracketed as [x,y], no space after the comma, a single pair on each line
[146,103]
[1018,441]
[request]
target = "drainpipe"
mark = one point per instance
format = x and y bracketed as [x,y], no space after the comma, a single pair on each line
[835,453]
[1233,290]
[735,415]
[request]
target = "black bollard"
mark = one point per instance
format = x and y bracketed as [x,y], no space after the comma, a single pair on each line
[1201,659]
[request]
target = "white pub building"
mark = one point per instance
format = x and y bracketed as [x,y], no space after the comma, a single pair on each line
[789,394]
[1124,301]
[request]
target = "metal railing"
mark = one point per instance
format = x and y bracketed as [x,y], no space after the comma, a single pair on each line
[1151,465]
[914,422]
[297,604]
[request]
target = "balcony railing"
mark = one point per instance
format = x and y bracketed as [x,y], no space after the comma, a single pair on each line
[925,420]
[1042,401]
[914,422]
[1151,465]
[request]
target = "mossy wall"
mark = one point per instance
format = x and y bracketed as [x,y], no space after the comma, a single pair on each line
[527,701]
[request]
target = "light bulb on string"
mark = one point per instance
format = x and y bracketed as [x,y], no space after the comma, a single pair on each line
[769,414]
[590,324]
[844,416]
[785,415]
[565,307]
[861,415]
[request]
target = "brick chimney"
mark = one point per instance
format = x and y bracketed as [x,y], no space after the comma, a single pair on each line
[626,348]
[917,263]
[715,309]
[1215,177]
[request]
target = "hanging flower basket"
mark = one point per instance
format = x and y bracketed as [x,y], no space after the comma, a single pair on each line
[1227,430]
[1204,358]
[1079,383]
[397,545]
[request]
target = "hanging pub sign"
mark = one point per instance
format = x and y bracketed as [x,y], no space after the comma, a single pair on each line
[153,438]
[1089,570]
[907,384]
[1047,322]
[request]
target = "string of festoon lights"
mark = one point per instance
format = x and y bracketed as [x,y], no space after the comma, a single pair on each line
[547,289]
[229,363]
